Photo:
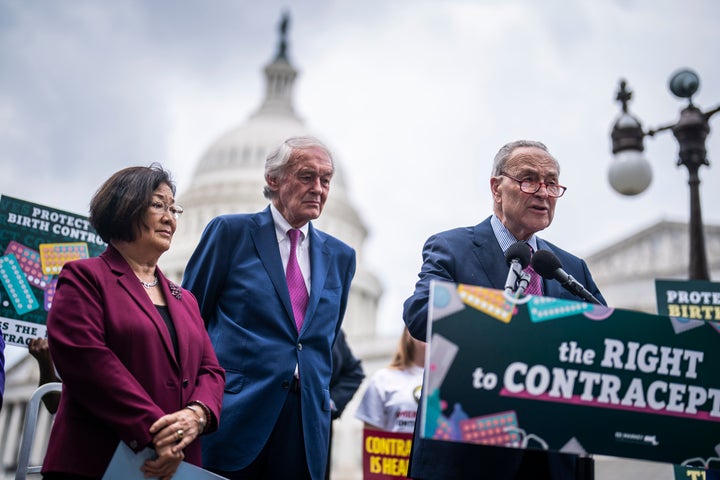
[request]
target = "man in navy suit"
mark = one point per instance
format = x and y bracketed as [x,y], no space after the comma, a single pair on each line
[524,186]
[277,355]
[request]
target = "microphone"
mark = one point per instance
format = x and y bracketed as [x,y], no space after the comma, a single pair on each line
[518,257]
[548,266]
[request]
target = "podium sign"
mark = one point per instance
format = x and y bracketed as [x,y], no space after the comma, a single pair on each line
[570,376]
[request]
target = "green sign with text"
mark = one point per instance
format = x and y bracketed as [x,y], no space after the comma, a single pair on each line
[570,376]
[691,299]
[35,242]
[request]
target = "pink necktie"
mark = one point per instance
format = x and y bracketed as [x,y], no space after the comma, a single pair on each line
[295,281]
[535,285]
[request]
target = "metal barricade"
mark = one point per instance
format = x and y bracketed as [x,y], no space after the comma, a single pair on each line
[28,432]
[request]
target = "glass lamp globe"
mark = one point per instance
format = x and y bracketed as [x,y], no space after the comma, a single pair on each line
[630,172]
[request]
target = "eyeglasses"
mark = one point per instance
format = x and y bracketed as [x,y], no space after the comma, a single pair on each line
[160,208]
[530,187]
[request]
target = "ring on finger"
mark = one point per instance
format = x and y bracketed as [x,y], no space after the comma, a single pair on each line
[179,434]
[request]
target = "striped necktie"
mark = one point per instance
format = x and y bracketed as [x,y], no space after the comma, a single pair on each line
[535,285]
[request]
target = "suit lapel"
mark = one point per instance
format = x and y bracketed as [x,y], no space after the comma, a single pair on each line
[129,282]
[490,255]
[177,314]
[319,265]
[266,244]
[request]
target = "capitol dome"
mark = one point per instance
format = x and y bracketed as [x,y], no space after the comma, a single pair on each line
[229,178]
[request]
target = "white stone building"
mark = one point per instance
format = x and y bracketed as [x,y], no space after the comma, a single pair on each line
[626,270]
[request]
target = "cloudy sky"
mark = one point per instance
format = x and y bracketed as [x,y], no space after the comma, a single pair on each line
[414,96]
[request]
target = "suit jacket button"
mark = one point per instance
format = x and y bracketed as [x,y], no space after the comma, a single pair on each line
[286,385]
[186,382]
[299,346]
[133,444]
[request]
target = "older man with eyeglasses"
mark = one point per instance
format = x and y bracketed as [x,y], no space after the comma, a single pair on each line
[525,188]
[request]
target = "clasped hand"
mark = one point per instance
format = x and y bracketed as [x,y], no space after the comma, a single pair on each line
[171,434]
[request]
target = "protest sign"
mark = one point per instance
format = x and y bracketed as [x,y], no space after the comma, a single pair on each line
[35,242]
[690,299]
[386,455]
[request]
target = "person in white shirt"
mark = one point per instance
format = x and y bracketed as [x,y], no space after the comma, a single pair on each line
[391,399]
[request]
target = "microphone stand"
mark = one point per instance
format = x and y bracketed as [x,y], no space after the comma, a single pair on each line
[522,283]
[515,288]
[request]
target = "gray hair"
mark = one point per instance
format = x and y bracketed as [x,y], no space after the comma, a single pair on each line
[504,153]
[278,160]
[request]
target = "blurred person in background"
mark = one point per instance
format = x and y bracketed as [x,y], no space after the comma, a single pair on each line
[38,348]
[391,399]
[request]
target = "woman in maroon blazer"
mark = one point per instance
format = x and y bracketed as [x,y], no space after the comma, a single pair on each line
[130,346]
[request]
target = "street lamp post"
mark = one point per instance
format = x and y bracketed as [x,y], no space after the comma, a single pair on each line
[630,172]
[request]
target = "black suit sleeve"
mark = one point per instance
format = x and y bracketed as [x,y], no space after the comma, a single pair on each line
[347,375]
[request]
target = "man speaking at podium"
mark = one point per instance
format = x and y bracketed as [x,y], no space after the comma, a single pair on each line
[524,186]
